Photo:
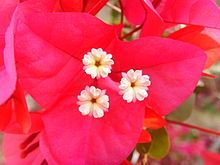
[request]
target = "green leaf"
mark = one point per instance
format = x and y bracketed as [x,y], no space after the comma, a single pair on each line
[143,148]
[184,111]
[160,144]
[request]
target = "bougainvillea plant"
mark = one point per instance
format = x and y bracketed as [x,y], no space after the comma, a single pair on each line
[105,92]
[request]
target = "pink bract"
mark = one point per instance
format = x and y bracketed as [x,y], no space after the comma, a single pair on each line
[145,14]
[89,6]
[136,17]
[15,111]
[98,141]
[13,106]
[152,120]
[157,12]
[211,158]
[8,76]
[196,12]
[49,55]
[7,64]
[12,150]
[205,38]
[58,46]
[23,149]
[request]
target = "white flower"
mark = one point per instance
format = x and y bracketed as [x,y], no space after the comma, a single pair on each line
[134,85]
[93,102]
[97,63]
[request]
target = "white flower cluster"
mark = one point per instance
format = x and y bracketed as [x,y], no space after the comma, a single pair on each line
[94,101]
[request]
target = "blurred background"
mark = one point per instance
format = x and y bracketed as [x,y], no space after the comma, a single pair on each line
[201,109]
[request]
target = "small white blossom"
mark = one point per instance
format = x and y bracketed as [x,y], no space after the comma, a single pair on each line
[93,102]
[97,63]
[134,85]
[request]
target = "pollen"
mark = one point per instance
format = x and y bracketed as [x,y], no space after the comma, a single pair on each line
[97,63]
[134,85]
[93,101]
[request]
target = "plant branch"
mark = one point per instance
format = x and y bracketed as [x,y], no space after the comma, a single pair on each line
[122,12]
[113,7]
[194,127]
[131,32]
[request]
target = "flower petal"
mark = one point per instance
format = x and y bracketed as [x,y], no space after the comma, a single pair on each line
[71,5]
[23,149]
[153,120]
[196,12]
[174,68]
[129,7]
[90,6]
[93,6]
[145,137]
[210,158]
[14,127]
[66,31]
[5,114]
[106,140]
[205,38]
[12,151]
[7,64]
[49,52]
[153,24]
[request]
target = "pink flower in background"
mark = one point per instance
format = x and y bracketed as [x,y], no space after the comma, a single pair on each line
[187,147]
[194,12]
[191,148]
[157,14]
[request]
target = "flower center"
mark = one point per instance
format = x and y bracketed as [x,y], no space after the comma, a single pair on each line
[93,102]
[97,63]
[133,85]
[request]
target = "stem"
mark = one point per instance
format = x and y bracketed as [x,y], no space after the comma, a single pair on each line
[194,127]
[208,75]
[131,32]
[122,12]
[113,7]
